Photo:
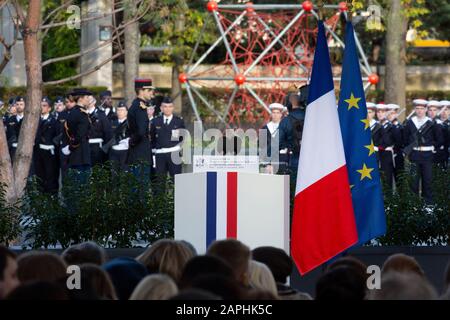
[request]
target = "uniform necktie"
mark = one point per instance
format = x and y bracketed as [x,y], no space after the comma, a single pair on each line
[167,122]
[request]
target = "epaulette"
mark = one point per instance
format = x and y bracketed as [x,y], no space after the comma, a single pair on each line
[143,105]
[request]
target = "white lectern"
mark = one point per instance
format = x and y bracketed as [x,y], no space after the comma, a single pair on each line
[251,207]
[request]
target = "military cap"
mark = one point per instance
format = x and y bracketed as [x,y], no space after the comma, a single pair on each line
[122,104]
[80,92]
[381,106]
[46,99]
[143,84]
[393,106]
[444,103]
[59,99]
[167,100]
[106,93]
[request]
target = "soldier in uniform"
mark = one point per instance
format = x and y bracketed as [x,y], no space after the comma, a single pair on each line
[272,132]
[59,107]
[291,129]
[100,132]
[61,116]
[422,137]
[45,159]
[441,154]
[139,151]
[76,133]
[444,117]
[14,124]
[399,159]
[166,140]
[107,106]
[389,136]
[119,148]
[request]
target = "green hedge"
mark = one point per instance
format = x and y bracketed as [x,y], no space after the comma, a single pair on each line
[112,208]
[116,209]
[51,91]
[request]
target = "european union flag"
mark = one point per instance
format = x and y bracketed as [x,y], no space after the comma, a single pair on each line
[360,155]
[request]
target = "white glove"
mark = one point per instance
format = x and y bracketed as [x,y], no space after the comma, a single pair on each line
[65,150]
[124,142]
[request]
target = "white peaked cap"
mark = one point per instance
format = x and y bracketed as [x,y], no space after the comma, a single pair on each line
[393,106]
[434,103]
[278,106]
[371,105]
[420,102]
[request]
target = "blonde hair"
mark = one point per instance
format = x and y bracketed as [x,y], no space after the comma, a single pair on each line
[166,256]
[261,278]
[155,287]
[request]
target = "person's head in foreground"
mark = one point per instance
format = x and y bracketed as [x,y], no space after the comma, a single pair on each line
[341,283]
[167,257]
[236,254]
[203,265]
[155,287]
[85,252]
[125,274]
[8,271]
[402,263]
[403,286]
[41,266]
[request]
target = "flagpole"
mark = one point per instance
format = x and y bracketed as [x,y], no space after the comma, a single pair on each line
[349,10]
[320,6]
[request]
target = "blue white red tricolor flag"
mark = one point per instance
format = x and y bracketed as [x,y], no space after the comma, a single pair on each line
[323,221]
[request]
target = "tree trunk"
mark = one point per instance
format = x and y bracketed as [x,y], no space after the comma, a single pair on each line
[32,48]
[176,90]
[132,45]
[6,172]
[395,69]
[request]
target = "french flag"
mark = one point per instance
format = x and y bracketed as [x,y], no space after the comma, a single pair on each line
[323,221]
[221,206]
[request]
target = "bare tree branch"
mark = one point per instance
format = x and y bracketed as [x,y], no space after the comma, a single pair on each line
[82,53]
[85,73]
[57,10]
[97,17]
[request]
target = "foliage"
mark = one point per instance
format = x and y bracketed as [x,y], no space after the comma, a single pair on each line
[113,208]
[179,28]
[9,218]
[410,221]
[50,91]
[58,42]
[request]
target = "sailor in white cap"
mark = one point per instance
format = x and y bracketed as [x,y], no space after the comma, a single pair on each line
[435,110]
[433,107]
[421,138]
[270,135]
[399,160]
[444,117]
[445,111]
[392,113]
[385,144]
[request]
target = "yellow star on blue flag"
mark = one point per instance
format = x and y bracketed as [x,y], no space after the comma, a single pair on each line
[367,196]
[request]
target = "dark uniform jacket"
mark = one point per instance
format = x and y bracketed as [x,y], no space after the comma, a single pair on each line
[291,129]
[13,129]
[76,136]
[120,130]
[429,135]
[100,126]
[441,154]
[161,134]
[47,131]
[138,123]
